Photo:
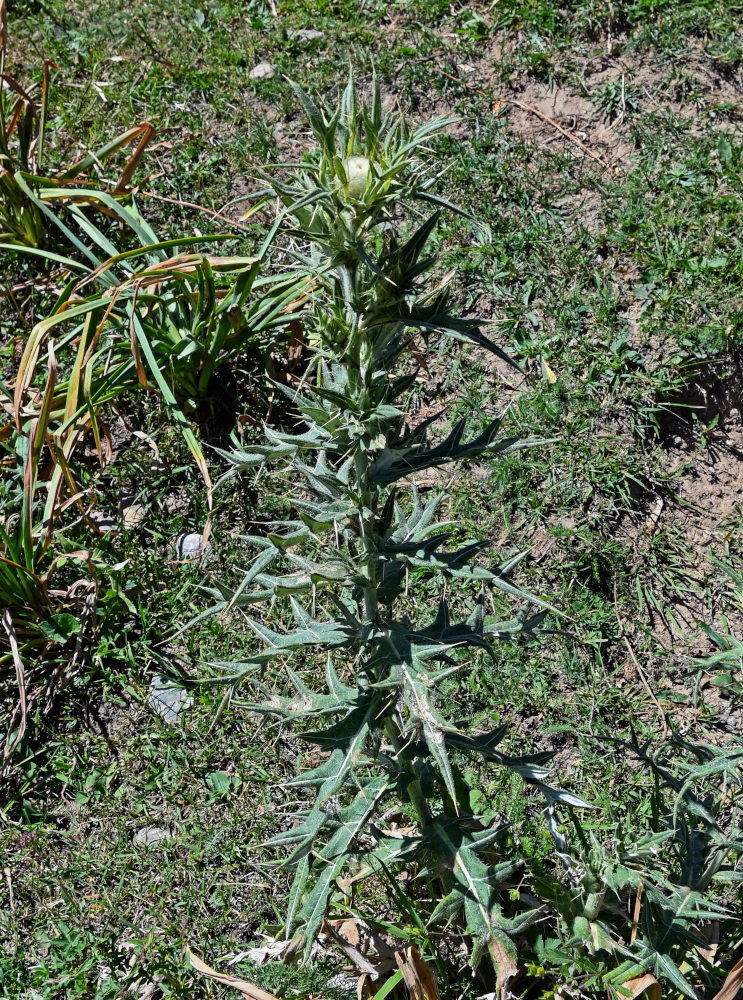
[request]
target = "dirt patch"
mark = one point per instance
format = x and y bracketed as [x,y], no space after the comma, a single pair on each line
[679,88]
[584,210]
[536,110]
[644,83]
[711,491]
[696,522]
[540,111]
[716,395]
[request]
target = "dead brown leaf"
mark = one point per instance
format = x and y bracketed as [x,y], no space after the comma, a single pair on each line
[365,986]
[145,131]
[505,966]
[335,929]
[13,738]
[350,931]
[643,984]
[248,990]
[636,915]
[732,984]
[711,934]
[417,975]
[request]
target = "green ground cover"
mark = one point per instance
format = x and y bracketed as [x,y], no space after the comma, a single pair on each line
[601,145]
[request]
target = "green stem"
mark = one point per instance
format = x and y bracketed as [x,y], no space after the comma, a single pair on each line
[368,569]
[417,798]
[593,904]
[368,555]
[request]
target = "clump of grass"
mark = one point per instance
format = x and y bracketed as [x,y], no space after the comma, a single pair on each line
[41,618]
[24,112]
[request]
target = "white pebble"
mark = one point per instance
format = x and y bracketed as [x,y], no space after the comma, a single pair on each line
[263,71]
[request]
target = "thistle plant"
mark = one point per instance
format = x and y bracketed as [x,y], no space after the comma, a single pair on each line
[364,540]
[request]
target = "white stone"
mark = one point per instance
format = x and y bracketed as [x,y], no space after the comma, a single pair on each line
[167,699]
[189,546]
[150,836]
[263,71]
[307,35]
[103,522]
[132,514]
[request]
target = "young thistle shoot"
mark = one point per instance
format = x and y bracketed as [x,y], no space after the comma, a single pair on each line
[362,533]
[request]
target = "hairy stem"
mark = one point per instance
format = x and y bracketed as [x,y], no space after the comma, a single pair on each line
[368,569]
[417,798]
[593,904]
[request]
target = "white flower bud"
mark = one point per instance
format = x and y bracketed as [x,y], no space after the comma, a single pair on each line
[357,173]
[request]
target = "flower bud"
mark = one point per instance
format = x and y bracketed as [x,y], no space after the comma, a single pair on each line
[357,173]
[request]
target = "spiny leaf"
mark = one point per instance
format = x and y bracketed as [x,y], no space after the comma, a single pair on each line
[343,734]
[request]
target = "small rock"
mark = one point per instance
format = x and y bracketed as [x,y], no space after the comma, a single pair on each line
[131,514]
[307,35]
[263,71]
[167,699]
[189,546]
[150,836]
[102,522]
[678,442]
